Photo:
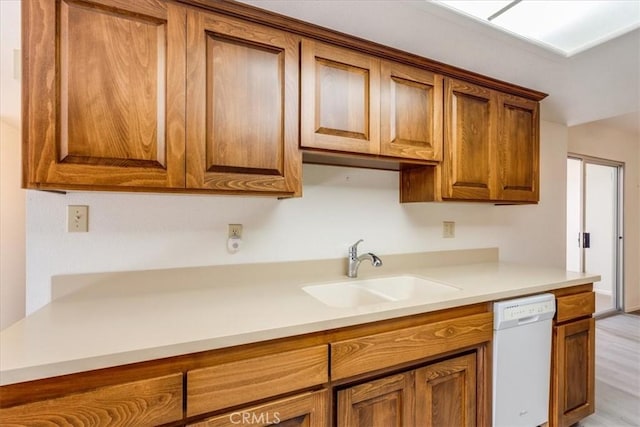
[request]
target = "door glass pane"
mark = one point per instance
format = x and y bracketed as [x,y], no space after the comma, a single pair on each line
[600,223]
[574,213]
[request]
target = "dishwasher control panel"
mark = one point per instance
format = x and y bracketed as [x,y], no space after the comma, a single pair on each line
[527,310]
[507,314]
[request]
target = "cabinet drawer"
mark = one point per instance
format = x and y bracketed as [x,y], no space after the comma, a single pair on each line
[307,409]
[574,306]
[141,403]
[235,383]
[359,355]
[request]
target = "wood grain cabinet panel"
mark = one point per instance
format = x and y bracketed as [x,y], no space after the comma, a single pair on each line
[446,393]
[385,402]
[518,149]
[365,354]
[573,372]
[236,383]
[411,112]
[242,106]
[104,94]
[340,107]
[491,150]
[305,410]
[142,403]
[468,169]
[575,306]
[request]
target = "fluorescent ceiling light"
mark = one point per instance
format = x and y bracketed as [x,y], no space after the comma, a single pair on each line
[565,26]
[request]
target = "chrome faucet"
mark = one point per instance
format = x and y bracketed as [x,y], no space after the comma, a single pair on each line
[355,260]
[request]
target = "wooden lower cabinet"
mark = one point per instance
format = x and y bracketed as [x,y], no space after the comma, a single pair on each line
[573,372]
[385,402]
[304,410]
[440,394]
[446,393]
[148,402]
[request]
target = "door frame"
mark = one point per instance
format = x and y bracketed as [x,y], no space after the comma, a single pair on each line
[618,288]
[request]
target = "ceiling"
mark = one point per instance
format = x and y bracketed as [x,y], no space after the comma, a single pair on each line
[566,27]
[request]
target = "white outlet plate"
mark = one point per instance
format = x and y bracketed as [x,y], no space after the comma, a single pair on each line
[77,219]
[448,229]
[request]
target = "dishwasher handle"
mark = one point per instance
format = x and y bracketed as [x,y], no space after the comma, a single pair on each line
[529,319]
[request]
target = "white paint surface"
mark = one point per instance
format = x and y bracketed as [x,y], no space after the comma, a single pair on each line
[12,228]
[12,197]
[339,206]
[574,214]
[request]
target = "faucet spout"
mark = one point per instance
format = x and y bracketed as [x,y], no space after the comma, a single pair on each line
[373,258]
[355,260]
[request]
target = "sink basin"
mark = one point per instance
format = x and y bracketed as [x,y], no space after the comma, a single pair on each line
[355,293]
[344,294]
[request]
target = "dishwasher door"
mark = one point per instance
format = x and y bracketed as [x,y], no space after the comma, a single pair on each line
[522,361]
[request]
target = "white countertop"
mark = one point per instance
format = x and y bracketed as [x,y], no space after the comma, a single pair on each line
[112,319]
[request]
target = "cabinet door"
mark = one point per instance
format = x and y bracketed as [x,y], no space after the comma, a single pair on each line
[446,393]
[242,106]
[385,402]
[305,410]
[573,372]
[104,94]
[410,112]
[518,149]
[468,169]
[340,99]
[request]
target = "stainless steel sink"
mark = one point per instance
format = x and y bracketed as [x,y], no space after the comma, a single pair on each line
[356,293]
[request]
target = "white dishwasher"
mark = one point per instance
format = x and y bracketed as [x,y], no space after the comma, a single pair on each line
[522,360]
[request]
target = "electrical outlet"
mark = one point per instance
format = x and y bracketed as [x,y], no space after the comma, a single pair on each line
[448,229]
[77,218]
[235,230]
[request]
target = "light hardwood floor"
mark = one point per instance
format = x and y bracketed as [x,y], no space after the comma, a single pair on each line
[617,372]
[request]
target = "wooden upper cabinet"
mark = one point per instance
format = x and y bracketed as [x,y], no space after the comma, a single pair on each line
[518,149]
[104,94]
[340,108]
[357,103]
[242,106]
[491,145]
[410,112]
[468,170]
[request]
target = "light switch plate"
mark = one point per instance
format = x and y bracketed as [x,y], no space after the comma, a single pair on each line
[77,218]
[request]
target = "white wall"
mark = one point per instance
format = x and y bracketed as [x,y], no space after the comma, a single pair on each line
[12,198]
[597,140]
[12,228]
[340,205]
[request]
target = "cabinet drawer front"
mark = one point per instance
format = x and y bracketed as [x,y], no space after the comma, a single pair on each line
[359,355]
[234,383]
[308,409]
[574,306]
[141,403]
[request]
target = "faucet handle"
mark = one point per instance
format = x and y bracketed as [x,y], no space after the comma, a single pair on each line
[353,249]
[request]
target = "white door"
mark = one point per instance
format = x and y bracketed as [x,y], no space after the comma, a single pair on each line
[594,232]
